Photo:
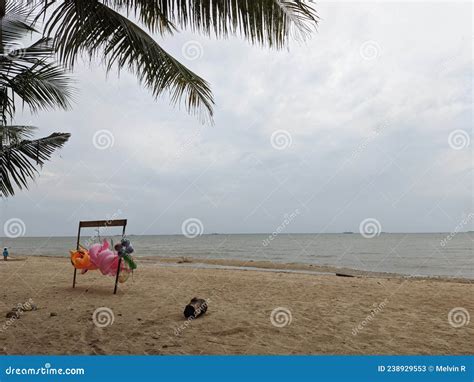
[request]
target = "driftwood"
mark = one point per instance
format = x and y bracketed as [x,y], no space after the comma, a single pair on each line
[195,308]
[343,275]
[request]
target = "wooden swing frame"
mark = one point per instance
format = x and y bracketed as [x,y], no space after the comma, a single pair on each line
[100,224]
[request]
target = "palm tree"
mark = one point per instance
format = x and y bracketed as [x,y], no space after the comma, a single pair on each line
[120,32]
[26,74]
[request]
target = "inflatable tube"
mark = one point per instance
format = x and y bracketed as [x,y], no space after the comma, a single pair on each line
[108,262]
[80,259]
[124,273]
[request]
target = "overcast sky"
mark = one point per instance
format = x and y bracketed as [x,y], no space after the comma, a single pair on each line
[371,118]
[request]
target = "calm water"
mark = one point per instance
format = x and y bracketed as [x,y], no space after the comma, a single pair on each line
[411,254]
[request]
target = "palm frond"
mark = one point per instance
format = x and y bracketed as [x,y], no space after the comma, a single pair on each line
[264,22]
[149,13]
[39,50]
[87,26]
[301,19]
[26,73]
[19,161]
[17,23]
[40,86]
[7,105]
[13,134]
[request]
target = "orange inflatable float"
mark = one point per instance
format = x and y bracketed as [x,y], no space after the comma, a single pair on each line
[80,259]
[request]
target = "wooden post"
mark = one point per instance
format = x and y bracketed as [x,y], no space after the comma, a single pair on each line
[117,276]
[77,248]
[120,261]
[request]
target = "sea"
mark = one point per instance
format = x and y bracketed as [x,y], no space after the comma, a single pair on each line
[414,254]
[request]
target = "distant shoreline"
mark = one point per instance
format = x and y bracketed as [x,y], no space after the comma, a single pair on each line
[252,265]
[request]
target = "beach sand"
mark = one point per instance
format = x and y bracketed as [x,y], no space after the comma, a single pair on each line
[394,315]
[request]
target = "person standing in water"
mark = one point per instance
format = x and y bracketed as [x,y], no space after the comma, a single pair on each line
[5,254]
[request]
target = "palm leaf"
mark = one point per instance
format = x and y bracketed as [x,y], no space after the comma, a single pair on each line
[27,74]
[87,26]
[300,19]
[264,22]
[7,105]
[12,134]
[17,22]
[40,86]
[149,13]
[40,50]
[19,161]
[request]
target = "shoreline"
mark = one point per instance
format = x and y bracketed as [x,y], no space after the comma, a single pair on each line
[295,267]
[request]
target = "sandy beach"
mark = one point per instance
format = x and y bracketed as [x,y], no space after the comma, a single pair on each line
[312,313]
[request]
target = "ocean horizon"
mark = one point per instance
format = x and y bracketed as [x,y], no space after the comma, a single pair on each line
[257,233]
